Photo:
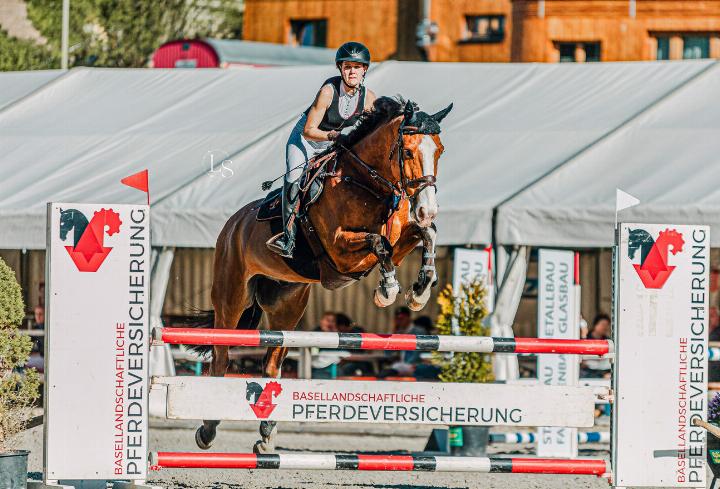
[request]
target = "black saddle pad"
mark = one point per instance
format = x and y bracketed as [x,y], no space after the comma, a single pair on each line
[303,261]
[271,206]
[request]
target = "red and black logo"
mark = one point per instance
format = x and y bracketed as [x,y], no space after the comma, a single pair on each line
[654,268]
[88,251]
[261,399]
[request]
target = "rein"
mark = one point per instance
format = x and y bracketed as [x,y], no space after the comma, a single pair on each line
[399,191]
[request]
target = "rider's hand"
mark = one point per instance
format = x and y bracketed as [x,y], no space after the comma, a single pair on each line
[332,135]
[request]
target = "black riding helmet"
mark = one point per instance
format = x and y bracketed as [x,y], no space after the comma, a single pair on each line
[353,51]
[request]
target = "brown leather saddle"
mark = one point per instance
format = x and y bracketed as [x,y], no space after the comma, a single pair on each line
[310,259]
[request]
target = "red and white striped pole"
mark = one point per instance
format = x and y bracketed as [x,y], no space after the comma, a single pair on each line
[370,341]
[293,461]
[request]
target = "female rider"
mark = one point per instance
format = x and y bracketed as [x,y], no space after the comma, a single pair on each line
[336,109]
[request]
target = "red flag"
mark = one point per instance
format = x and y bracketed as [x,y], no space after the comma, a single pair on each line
[138,181]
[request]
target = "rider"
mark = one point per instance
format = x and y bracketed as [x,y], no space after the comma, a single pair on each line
[337,107]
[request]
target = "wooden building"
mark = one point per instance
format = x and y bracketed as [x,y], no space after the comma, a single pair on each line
[497,30]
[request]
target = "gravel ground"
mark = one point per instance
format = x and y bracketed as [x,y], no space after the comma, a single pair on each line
[347,438]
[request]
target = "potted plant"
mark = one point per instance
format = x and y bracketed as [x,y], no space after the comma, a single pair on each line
[465,310]
[18,389]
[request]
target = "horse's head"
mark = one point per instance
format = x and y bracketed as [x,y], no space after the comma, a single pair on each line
[67,222]
[419,149]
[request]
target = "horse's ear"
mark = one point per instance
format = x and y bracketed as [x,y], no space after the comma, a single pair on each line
[408,111]
[441,115]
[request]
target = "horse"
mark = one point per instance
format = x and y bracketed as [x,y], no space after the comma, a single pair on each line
[377,205]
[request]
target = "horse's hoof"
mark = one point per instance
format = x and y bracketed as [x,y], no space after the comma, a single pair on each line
[199,440]
[417,302]
[262,447]
[381,300]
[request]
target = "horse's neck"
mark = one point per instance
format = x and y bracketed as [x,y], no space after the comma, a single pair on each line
[79,226]
[375,148]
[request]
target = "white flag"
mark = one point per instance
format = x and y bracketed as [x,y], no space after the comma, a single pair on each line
[623,200]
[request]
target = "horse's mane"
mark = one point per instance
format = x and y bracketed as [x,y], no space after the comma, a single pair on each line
[384,110]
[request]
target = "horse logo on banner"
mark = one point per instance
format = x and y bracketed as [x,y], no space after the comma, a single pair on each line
[88,251]
[261,399]
[654,268]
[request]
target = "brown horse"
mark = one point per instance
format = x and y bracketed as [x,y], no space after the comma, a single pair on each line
[377,205]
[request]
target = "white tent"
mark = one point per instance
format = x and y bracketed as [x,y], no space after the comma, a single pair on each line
[75,139]
[512,125]
[668,156]
[15,85]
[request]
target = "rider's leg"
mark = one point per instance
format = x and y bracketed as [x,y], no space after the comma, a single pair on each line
[296,159]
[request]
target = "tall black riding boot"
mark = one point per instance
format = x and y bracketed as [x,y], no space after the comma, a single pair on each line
[284,243]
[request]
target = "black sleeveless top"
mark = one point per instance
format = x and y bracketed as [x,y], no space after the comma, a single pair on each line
[332,120]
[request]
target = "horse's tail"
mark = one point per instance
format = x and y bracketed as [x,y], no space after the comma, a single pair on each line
[250,319]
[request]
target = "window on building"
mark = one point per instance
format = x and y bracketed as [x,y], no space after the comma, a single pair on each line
[592,51]
[696,47]
[308,33]
[571,51]
[567,52]
[663,48]
[484,28]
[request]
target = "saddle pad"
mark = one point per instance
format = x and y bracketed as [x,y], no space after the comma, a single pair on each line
[271,207]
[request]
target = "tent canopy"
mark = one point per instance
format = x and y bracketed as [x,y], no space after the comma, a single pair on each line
[15,85]
[266,53]
[514,130]
[668,157]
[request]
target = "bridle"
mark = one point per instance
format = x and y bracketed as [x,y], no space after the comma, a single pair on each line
[400,190]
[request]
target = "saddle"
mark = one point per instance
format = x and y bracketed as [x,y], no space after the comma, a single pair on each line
[310,259]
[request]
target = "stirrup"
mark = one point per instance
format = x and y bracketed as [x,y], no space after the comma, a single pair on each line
[276,247]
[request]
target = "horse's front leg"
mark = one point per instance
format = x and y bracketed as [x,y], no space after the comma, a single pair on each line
[389,287]
[355,247]
[417,296]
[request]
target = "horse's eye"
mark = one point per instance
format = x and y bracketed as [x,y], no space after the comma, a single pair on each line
[407,154]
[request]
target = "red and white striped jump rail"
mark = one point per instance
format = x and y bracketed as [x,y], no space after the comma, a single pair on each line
[370,341]
[294,461]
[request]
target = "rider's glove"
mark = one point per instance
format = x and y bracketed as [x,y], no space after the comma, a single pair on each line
[332,135]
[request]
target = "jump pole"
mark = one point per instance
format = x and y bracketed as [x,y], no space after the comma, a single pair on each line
[292,461]
[370,341]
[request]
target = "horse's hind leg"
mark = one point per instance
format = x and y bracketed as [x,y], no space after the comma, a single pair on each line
[230,309]
[284,304]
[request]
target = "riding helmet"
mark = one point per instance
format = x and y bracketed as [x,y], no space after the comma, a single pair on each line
[353,51]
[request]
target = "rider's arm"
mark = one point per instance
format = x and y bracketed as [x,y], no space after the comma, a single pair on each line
[316,114]
[369,99]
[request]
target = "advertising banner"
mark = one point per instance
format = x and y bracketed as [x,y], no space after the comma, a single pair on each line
[470,264]
[660,376]
[347,401]
[557,318]
[96,348]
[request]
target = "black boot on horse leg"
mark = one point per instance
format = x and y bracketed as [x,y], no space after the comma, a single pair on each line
[205,435]
[389,287]
[284,243]
[417,296]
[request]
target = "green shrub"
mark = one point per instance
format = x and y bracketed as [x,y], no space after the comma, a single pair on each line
[467,309]
[18,390]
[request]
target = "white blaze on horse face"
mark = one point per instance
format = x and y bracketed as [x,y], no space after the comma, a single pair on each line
[426,207]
